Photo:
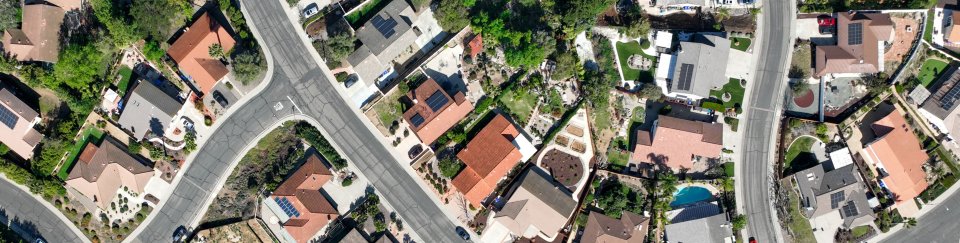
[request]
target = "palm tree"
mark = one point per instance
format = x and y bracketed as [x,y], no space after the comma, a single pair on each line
[722,14]
[216,51]
[910,222]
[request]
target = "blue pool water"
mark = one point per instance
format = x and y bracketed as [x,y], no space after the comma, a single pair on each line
[690,194]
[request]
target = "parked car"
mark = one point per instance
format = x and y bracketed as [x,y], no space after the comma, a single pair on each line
[220,99]
[310,10]
[753,240]
[463,233]
[414,151]
[180,234]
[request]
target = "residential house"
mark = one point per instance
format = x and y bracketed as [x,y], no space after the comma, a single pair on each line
[39,37]
[630,228]
[19,119]
[696,67]
[385,37]
[835,192]
[702,223]
[102,170]
[861,39]
[898,158]
[191,52]
[538,207]
[435,110]
[945,18]
[492,153]
[299,205]
[148,109]
[940,107]
[678,144]
[474,46]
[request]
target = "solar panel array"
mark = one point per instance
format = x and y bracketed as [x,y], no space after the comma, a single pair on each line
[437,100]
[417,120]
[950,98]
[287,207]
[7,117]
[855,34]
[385,26]
[835,199]
[850,209]
[686,76]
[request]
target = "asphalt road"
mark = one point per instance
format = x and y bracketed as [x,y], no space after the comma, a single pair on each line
[939,225]
[763,113]
[296,77]
[30,218]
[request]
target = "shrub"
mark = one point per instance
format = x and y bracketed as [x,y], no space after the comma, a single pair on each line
[347,182]
[712,105]
[449,167]
[666,109]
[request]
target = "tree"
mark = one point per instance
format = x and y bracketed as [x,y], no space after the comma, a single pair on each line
[739,222]
[79,69]
[248,65]
[637,29]
[567,65]
[157,18]
[122,32]
[651,92]
[450,14]
[799,88]
[449,167]
[335,48]
[721,14]
[9,14]
[4,149]
[578,15]
[910,222]
[216,51]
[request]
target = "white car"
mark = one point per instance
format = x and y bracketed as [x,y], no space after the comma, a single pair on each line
[310,10]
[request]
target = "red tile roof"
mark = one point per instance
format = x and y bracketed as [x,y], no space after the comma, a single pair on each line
[302,189]
[192,52]
[488,158]
[676,141]
[435,123]
[898,150]
[476,46]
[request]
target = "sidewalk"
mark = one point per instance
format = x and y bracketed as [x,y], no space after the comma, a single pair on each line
[927,207]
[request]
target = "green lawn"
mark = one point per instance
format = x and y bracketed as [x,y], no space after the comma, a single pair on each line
[739,43]
[601,118]
[802,232]
[928,33]
[802,144]
[627,49]
[860,231]
[618,158]
[930,70]
[124,76]
[728,169]
[736,93]
[90,135]
[520,104]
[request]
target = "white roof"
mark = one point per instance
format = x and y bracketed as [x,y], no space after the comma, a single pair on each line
[664,39]
[841,158]
[526,148]
[665,66]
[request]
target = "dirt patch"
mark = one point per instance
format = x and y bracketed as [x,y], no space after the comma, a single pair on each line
[902,40]
[804,100]
[566,168]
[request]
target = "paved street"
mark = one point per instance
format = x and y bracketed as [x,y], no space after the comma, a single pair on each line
[762,114]
[31,218]
[939,225]
[296,77]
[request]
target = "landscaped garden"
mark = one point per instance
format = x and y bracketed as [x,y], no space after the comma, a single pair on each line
[519,104]
[389,109]
[735,91]
[930,70]
[627,49]
[90,135]
[797,223]
[740,43]
[124,76]
[799,146]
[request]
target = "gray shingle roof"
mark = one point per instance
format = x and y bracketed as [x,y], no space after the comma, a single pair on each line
[707,56]
[705,230]
[148,109]
[387,47]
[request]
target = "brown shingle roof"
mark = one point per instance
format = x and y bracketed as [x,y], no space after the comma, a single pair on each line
[855,58]
[675,142]
[39,39]
[629,228]
[435,123]
[192,54]
[101,170]
[488,158]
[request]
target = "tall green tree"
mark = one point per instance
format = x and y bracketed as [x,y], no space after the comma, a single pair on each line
[79,68]
[9,14]
[157,18]
[578,15]
[122,31]
[451,15]
[335,48]
[248,65]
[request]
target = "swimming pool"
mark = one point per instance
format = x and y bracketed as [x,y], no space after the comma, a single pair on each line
[690,194]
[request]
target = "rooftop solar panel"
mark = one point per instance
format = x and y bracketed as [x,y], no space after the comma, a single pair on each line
[850,209]
[437,100]
[417,120]
[835,199]
[287,207]
[384,25]
[7,117]
[855,34]
[950,98]
[686,74]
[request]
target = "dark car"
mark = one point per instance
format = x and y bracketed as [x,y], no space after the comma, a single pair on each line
[220,99]
[39,240]
[753,240]
[180,234]
[463,233]
[414,151]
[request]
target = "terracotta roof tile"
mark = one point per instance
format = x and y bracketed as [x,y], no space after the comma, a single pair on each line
[676,141]
[490,156]
[898,150]
[302,189]
[434,124]
[192,54]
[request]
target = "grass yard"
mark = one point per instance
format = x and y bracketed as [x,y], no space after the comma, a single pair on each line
[90,135]
[930,70]
[801,145]
[801,61]
[389,109]
[520,104]
[627,49]
[802,232]
[124,76]
[739,43]
[365,12]
[736,93]
[860,231]
[617,157]
[729,169]
[928,33]
[601,119]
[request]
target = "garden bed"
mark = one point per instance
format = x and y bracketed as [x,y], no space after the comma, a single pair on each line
[740,43]
[627,49]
